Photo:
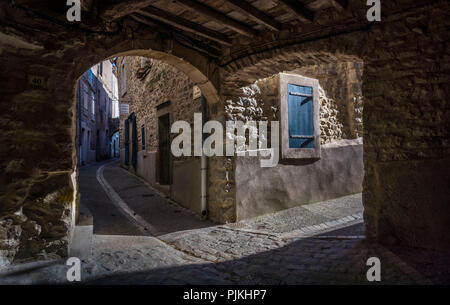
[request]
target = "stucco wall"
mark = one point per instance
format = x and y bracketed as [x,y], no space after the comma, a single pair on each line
[259,191]
[146,165]
[186,186]
[338,172]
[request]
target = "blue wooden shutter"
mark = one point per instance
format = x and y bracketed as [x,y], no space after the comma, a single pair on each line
[301,119]
[127,142]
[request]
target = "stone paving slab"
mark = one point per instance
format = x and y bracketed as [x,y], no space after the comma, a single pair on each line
[338,207]
[217,244]
[330,227]
[328,214]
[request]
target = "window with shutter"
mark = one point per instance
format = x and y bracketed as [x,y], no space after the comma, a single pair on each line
[300,126]
[300,113]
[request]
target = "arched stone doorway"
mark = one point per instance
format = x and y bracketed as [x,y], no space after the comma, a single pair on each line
[405,148]
[57,166]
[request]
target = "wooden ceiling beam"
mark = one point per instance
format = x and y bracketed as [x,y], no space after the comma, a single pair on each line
[143,20]
[340,4]
[168,30]
[219,17]
[184,24]
[120,8]
[305,14]
[256,14]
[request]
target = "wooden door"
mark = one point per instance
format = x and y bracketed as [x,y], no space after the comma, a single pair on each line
[127,142]
[164,149]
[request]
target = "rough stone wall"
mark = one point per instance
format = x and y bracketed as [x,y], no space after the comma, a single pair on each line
[221,189]
[342,84]
[339,87]
[330,126]
[36,189]
[161,84]
[406,127]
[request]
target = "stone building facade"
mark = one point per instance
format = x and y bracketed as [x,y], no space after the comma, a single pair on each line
[158,95]
[86,118]
[237,187]
[96,93]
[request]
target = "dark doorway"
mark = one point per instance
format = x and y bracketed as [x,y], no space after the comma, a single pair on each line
[164,149]
[127,142]
[133,141]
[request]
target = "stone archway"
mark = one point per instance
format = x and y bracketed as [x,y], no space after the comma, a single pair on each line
[406,146]
[402,158]
[246,74]
[196,67]
[39,206]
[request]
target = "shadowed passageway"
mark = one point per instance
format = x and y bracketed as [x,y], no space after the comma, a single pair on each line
[197,252]
[164,215]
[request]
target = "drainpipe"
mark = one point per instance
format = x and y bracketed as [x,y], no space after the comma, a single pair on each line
[204,164]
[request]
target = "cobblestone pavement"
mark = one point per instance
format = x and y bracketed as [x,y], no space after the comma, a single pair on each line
[329,214]
[306,261]
[281,248]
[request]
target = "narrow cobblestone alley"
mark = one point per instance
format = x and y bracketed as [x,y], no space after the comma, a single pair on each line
[327,248]
[228,142]
[108,220]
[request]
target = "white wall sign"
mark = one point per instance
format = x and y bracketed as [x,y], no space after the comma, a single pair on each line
[196,92]
[124,109]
